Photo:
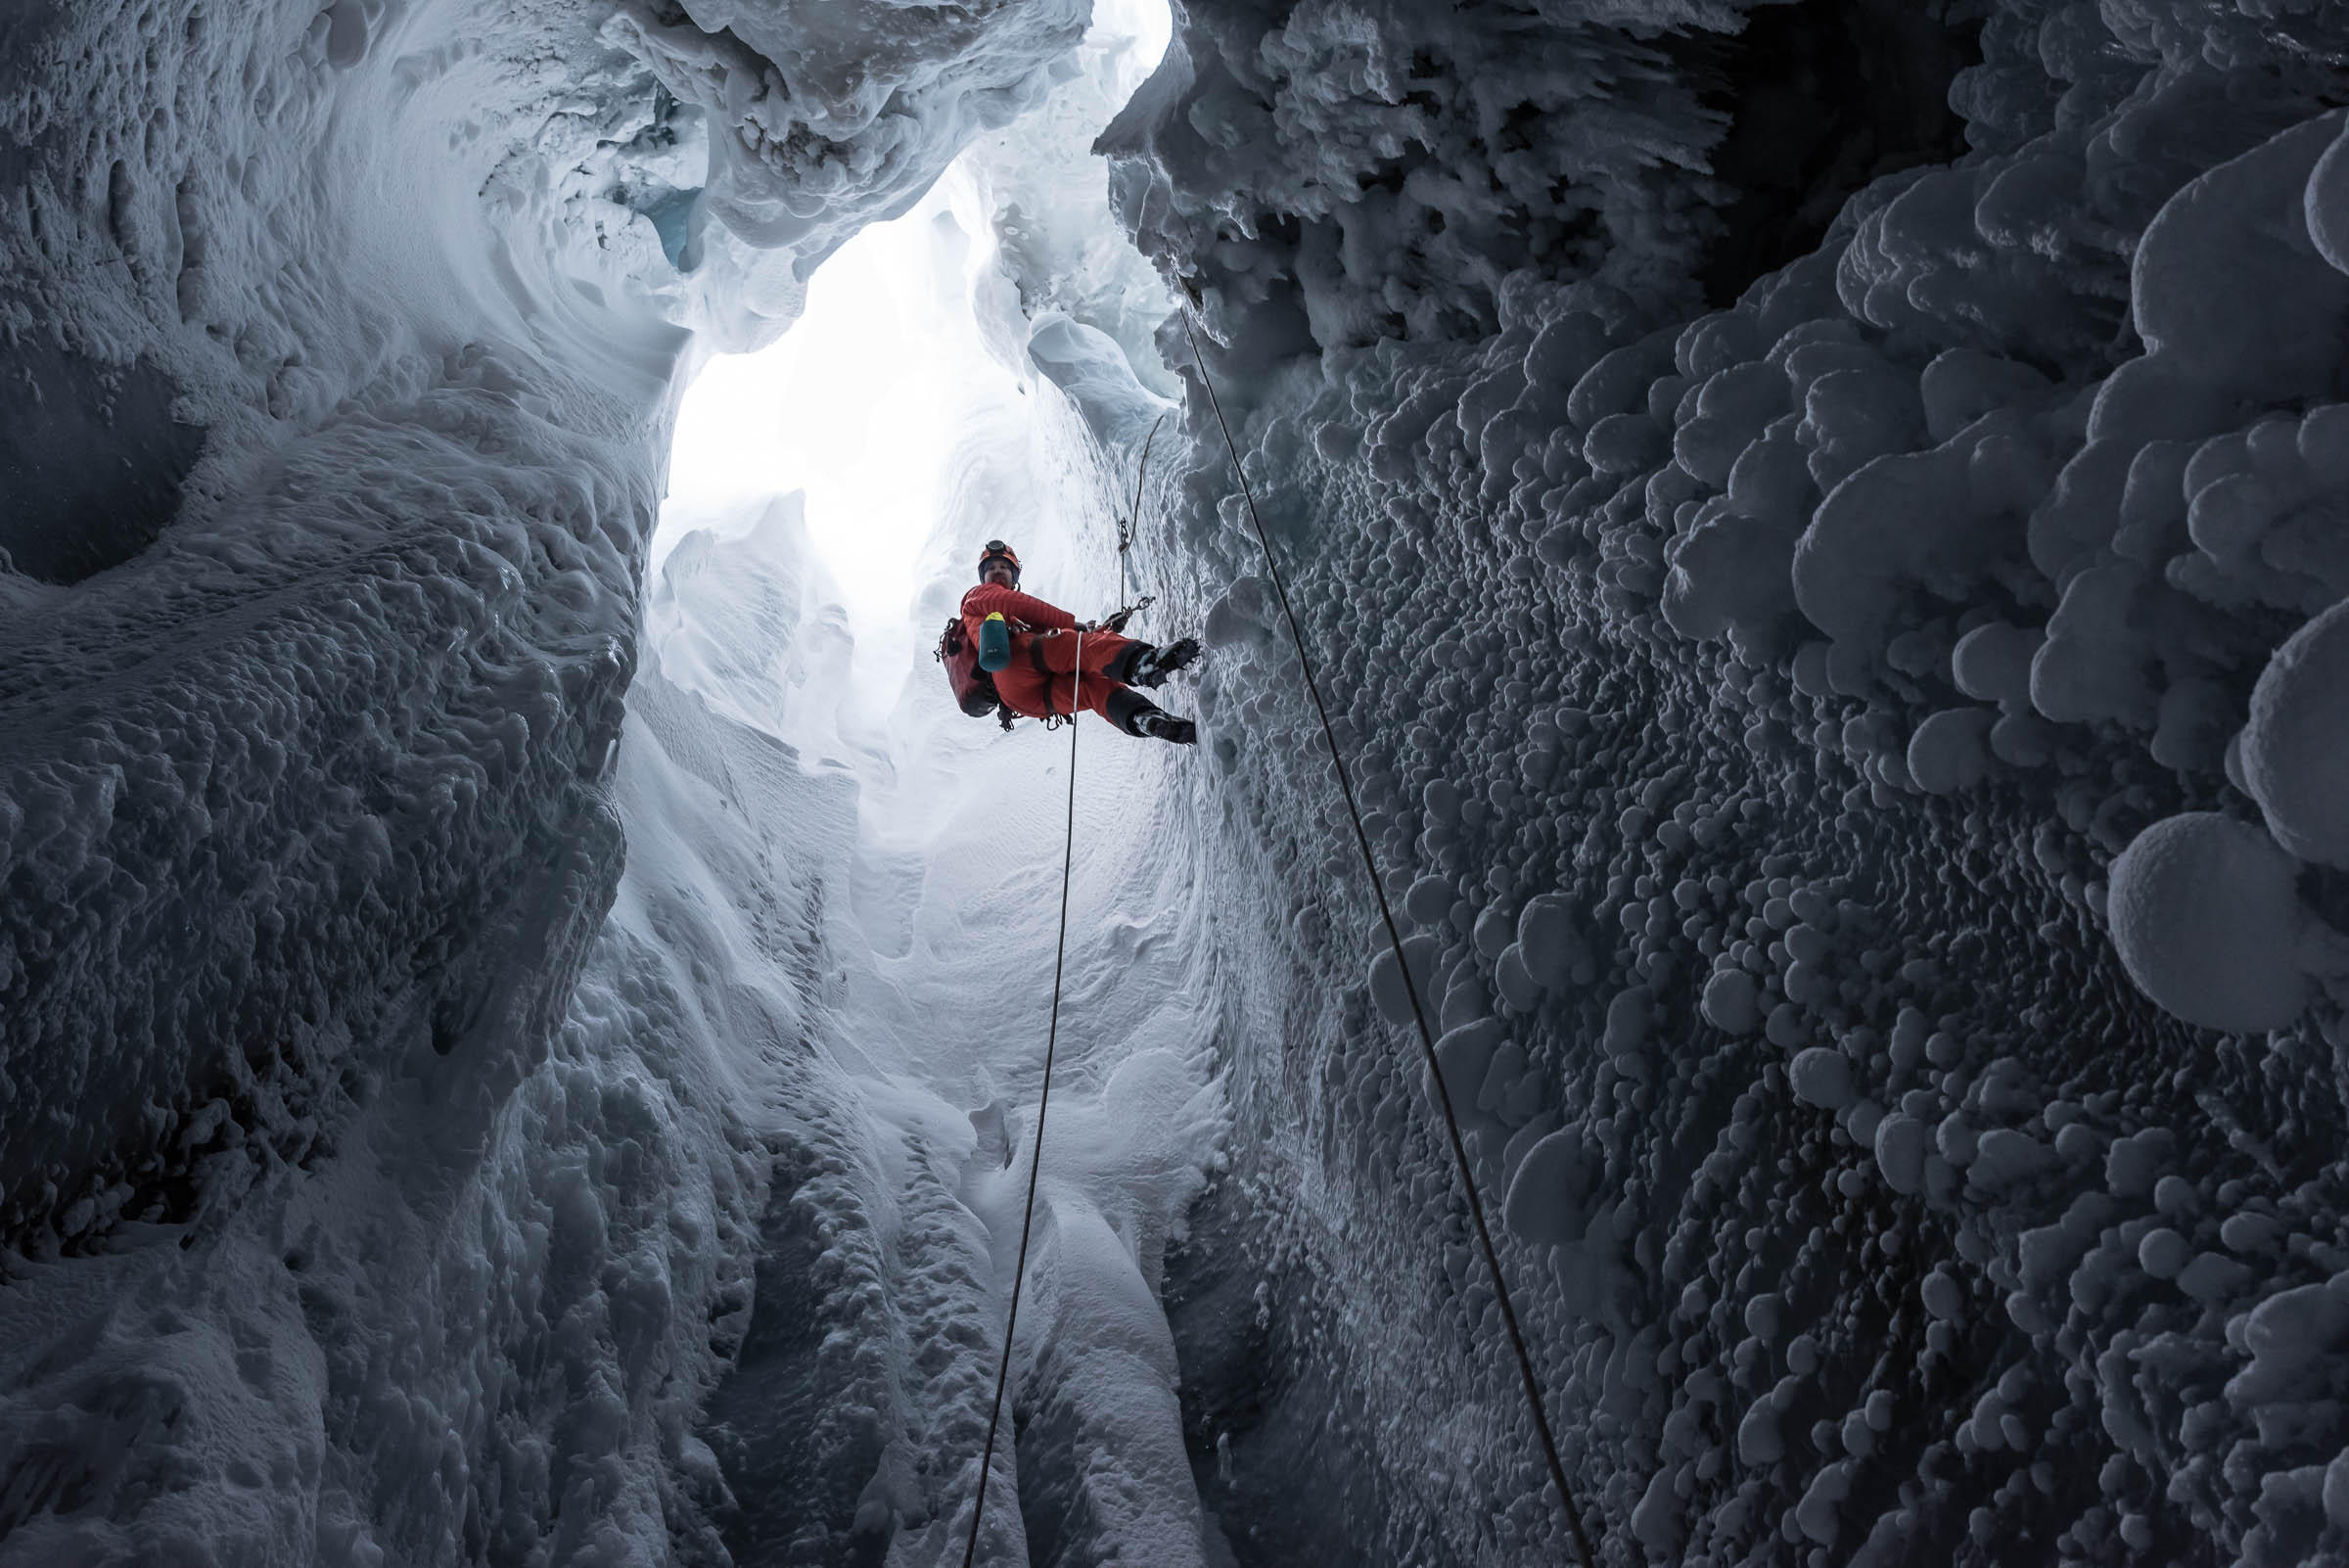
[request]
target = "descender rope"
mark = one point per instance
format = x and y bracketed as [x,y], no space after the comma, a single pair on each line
[1043,1104]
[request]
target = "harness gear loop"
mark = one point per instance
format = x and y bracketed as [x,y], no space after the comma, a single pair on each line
[1427,1039]
[1043,1104]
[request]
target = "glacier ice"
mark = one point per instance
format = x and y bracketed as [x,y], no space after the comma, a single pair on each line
[1824,527]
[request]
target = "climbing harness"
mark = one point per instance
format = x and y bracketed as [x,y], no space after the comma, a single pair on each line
[1036,659]
[972,678]
[1043,1103]
[1427,1039]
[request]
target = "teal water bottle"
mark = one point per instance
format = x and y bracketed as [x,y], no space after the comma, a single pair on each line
[994,642]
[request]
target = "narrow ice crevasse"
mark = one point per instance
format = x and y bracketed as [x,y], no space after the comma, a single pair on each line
[409,1209]
[1823,527]
[827,498]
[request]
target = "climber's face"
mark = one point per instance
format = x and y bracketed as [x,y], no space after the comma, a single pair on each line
[1000,573]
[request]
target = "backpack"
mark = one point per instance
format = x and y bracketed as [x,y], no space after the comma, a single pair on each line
[974,688]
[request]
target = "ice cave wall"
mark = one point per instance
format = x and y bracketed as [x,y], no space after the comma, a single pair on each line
[385,258]
[378,1178]
[1819,665]
[1803,733]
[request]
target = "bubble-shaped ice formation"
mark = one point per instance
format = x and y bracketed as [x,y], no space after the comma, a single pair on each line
[2295,749]
[2207,919]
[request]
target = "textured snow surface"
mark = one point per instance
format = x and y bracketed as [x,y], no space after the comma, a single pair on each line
[1823,527]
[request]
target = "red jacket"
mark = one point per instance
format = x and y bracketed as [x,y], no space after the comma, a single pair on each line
[1042,669]
[1022,611]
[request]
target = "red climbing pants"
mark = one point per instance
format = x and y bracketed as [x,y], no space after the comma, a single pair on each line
[1037,680]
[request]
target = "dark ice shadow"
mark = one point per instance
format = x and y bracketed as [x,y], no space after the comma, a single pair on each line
[91,461]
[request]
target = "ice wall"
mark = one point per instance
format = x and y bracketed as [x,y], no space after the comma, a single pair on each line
[1822,521]
[850,1423]
[1858,764]
[380,1162]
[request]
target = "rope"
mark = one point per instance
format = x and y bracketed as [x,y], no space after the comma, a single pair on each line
[1036,1163]
[1127,525]
[1427,1039]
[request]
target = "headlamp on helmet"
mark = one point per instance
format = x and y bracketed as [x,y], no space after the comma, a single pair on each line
[998,550]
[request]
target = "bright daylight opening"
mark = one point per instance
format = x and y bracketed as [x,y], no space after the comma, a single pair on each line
[863,410]
[983,365]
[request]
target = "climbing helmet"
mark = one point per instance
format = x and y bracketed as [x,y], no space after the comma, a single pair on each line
[998,550]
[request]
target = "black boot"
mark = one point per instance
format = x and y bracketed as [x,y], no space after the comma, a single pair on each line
[1157,663]
[1128,660]
[1138,715]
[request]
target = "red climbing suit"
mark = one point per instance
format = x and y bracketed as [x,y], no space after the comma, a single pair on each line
[1043,653]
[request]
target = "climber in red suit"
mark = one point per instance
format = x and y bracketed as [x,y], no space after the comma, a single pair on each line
[1044,650]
